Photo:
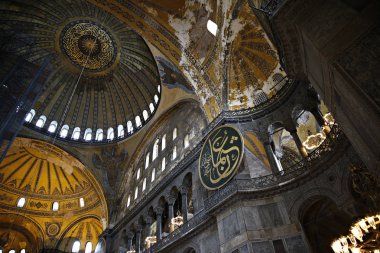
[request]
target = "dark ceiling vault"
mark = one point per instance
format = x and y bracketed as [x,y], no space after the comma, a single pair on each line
[120,77]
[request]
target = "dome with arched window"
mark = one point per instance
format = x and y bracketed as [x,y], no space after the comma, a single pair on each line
[53,190]
[102,73]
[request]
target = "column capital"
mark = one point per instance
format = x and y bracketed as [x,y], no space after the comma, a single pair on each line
[158,210]
[138,228]
[148,220]
[130,234]
[183,189]
[170,199]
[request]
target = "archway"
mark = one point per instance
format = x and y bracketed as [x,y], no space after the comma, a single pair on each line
[189,250]
[322,222]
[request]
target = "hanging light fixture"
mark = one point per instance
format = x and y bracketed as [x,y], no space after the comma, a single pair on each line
[177,221]
[364,237]
[150,240]
[132,250]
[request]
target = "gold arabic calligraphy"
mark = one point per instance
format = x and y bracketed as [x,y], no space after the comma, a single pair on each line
[223,158]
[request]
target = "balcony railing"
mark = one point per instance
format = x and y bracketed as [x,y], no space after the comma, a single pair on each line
[235,186]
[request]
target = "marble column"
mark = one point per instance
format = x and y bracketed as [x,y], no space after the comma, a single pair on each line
[298,142]
[148,223]
[184,190]
[159,210]
[320,120]
[138,239]
[129,240]
[108,239]
[271,156]
[171,201]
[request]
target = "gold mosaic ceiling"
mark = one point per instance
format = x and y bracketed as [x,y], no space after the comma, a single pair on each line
[235,69]
[238,68]
[43,174]
[120,77]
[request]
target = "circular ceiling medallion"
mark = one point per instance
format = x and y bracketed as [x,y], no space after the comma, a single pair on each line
[53,229]
[88,45]
[220,157]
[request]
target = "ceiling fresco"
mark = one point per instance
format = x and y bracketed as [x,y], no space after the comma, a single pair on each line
[110,67]
[43,174]
[214,66]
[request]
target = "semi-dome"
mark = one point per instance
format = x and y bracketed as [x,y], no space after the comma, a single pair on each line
[110,67]
[43,174]
[51,194]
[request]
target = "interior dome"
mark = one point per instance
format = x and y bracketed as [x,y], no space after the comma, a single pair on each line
[39,181]
[43,174]
[110,67]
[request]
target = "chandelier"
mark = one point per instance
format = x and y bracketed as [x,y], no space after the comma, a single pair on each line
[132,250]
[364,237]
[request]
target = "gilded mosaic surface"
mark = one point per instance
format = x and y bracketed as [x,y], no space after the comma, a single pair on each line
[88,45]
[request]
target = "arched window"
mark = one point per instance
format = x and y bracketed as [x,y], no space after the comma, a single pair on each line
[155,150]
[156,99]
[163,164]
[21,202]
[81,202]
[23,251]
[174,153]
[53,126]
[30,115]
[110,134]
[147,160]
[138,121]
[153,174]
[159,88]
[145,115]
[136,192]
[76,133]
[64,131]
[120,131]
[55,206]
[129,200]
[88,134]
[12,251]
[99,134]
[129,127]
[151,107]
[186,141]
[212,27]
[88,247]
[144,184]
[41,121]
[76,247]
[138,174]
[174,133]
[163,142]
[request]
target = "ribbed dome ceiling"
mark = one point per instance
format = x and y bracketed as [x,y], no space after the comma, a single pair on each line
[120,78]
[42,174]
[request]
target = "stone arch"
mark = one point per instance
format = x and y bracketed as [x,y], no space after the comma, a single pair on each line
[188,179]
[295,206]
[274,126]
[296,111]
[189,250]
[18,234]
[191,247]
[322,221]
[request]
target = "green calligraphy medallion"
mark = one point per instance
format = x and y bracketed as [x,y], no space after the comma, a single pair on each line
[220,157]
